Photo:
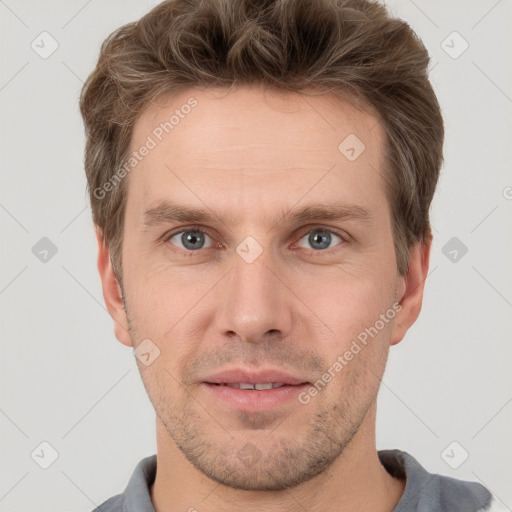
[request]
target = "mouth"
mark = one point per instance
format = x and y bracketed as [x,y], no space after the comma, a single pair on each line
[254,387]
[254,398]
[242,390]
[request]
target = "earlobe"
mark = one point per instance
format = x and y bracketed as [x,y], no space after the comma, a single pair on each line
[112,293]
[410,292]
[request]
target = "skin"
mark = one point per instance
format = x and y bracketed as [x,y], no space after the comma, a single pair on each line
[256,154]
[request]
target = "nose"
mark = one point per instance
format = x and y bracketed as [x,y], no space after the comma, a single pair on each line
[255,299]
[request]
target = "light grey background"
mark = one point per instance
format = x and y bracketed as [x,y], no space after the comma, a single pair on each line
[66,380]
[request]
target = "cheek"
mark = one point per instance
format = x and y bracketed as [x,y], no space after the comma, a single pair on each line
[353,308]
[156,294]
[350,297]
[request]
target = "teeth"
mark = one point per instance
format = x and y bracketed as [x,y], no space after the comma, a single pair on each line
[264,386]
[259,387]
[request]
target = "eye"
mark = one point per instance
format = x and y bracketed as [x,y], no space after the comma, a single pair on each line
[320,238]
[191,239]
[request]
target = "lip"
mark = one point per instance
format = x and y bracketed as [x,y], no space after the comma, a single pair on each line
[253,401]
[234,375]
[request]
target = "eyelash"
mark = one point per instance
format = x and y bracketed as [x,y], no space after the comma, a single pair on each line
[187,229]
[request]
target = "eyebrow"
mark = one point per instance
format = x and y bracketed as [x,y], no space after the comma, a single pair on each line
[167,212]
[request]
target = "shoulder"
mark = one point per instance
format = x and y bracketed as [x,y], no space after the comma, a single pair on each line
[461,495]
[114,504]
[136,496]
[495,506]
[432,491]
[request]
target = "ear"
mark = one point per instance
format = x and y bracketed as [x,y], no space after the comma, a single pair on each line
[410,294]
[112,293]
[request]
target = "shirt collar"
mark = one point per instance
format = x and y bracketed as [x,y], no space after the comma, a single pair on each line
[422,489]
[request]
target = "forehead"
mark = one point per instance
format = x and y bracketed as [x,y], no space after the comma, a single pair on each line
[250,143]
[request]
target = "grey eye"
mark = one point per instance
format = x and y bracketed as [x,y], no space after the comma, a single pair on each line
[190,240]
[319,239]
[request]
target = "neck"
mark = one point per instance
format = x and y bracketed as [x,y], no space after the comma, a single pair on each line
[355,481]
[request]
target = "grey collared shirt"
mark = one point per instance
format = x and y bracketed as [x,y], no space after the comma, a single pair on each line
[424,491]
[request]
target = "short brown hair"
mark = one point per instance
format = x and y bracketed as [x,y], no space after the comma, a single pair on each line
[347,47]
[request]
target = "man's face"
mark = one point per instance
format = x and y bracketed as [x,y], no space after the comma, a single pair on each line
[252,289]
